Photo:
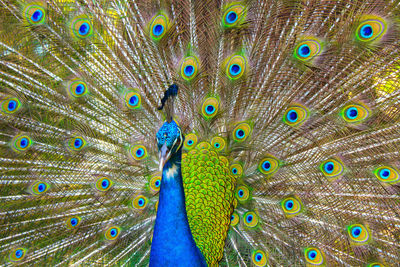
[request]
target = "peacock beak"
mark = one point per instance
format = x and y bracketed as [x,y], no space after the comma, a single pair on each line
[164,156]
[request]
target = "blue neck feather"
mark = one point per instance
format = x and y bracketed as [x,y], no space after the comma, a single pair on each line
[173,243]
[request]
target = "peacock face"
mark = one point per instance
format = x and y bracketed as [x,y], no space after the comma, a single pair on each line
[169,141]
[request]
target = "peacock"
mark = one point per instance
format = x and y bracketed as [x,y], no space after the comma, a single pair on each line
[200,133]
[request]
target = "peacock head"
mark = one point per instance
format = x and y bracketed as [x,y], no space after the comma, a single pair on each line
[169,141]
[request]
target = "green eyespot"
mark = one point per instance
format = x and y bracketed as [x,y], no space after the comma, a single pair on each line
[155,183]
[39,188]
[387,174]
[296,115]
[354,113]
[17,254]
[242,193]
[241,132]
[332,168]
[371,29]
[291,206]
[138,152]
[210,107]
[189,68]
[259,258]
[268,165]
[358,234]
[314,256]
[250,219]
[236,66]
[103,184]
[76,143]
[190,141]
[73,222]
[21,143]
[112,233]
[159,26]
[139,202]
[234,15]
[10,105]
[81,27]
[133,99]
[308,49]
[234,219]
[35,14]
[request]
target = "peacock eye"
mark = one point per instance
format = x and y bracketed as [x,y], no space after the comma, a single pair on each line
[332,168]
[81,27]
[250,219]
[77,89]
[17,254]
[189,68]
[268,165]
[236,169]
[236,67]
[139,202]
[291,206]
[210,107]
[76,143]
[35,14]
[190,141]
[354,113]
[112,233]
[371,29]
[242,193]
[314,256]
[103,184]
[234,219]
[295,115]
[10,105]
[233,16]
[259,258]
[21,143]
[39,188]
[138,152]
[158,27]
[307,50]
[73,222]
[387,174]
[155,183]
[358,233]
[241,132]
[133,99]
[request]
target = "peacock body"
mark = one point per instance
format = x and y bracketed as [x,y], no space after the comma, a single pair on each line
[281,147]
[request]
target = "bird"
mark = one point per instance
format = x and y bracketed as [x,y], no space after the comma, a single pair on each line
[199,133]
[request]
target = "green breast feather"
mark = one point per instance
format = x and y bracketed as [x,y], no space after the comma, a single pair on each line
[210,200]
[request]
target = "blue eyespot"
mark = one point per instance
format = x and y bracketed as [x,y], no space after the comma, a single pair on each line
[366,31]
[249,218]
[352,113]
[84,28]
[19,253]
[232,218]
[139,152]
[74,221]
[157,183]
[356,231]
[141,202]
[384,173]
[189,70]
[104,183]
[190,142]
[231,17]
[328,167]
[217,145]
[240,134]
[78,143]
[80,89]
[312,254]
[12,105]
[24,142]
[235,69]
[258,257]
[210,109]
[234,171]
[289,204]
[266,165]
[37,15]
[113,232]
[41,187]
[241,193]
[292,116]
[133,100]
[304,50]
[158,29]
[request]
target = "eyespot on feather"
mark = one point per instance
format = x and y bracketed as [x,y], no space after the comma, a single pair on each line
[355,113]
[308,49]
[359,234]
[236,66]
[21,143]
[291,206]
[218,143]
[17,254]
[159,26]
[35,14]
[190,141]
[242,193]
[77,89]
[332,168]
[387,174]
[76,143]
[371,29]
[138,152]
[39,188]
[133,99]
[210,107]
[103,184]
[234,219]
[296,115]
[314,256]
[81,27]
[112,233]
[241,132]
[268,165]
[236,170]
[155,183]
[139,202]
[73,222]
[189,67]
[234,15]
[10,105]
[250,219]
[259,258]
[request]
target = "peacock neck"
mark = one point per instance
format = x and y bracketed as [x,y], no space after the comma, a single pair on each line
[173,243]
